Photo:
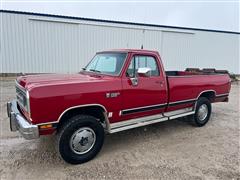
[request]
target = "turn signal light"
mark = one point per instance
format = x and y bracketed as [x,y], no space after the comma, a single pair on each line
[47,126]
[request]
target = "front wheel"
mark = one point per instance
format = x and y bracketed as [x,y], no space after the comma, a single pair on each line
[202,112]
[80,139]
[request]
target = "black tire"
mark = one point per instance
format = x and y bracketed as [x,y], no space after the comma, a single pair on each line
[66,132]
[202,102]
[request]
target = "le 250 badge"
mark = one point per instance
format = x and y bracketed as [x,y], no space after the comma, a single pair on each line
[112,95]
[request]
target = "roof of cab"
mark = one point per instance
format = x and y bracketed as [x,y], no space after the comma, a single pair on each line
[129,50]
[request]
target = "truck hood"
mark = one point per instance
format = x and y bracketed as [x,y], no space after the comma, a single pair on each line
[30,81]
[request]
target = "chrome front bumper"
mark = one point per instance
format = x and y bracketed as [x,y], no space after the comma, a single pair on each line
[19,123]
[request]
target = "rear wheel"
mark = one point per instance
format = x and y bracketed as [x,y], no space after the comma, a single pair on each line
[80,139]
[202,112]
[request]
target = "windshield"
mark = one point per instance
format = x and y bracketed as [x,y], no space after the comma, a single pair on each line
[107,63]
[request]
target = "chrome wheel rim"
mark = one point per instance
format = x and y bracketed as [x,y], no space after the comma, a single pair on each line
[82,140]
[202,112]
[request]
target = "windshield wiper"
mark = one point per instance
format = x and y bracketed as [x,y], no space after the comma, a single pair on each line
[94,70]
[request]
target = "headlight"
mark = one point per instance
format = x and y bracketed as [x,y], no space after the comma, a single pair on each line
[27,102]
[23,97]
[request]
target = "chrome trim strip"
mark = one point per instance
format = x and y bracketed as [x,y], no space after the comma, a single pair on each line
[134,123]
[181,115]
[219,95]
[85,105]
[210,90]
[177,112]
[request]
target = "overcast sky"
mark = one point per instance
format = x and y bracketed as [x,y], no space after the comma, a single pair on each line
[199,14]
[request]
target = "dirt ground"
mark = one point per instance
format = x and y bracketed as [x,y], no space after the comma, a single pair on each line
[167,150]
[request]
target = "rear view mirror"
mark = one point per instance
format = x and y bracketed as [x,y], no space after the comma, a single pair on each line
[144,72]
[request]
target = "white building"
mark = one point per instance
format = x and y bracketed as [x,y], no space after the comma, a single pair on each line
[42,43]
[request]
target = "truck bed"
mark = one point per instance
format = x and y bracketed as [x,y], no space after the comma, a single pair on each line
[185,87]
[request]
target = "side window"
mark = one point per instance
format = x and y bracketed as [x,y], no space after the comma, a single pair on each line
[141,62]
[152,63]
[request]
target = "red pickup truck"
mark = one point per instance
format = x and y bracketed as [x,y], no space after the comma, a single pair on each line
[116,91]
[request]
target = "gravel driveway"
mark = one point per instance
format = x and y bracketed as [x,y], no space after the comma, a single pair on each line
[167,150]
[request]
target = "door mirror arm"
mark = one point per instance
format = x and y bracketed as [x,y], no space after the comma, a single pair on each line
[134,81]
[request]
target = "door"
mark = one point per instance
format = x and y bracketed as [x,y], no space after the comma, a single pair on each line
[143,95]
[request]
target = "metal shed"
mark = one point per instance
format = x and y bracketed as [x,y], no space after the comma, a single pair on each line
[43,43]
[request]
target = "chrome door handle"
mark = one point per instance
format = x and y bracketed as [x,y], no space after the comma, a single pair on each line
[160,82]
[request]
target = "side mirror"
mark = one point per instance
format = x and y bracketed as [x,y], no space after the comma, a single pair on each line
[144,72]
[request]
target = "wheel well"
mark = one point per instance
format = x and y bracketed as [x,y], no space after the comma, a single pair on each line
[95,111]
[210,95]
